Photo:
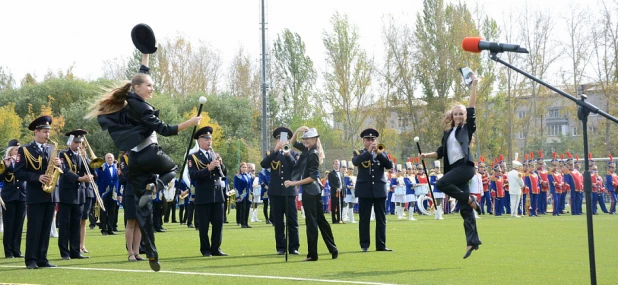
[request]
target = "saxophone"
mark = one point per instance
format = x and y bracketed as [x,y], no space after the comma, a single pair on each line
[52,171]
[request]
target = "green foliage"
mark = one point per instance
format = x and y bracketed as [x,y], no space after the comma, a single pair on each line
[10,124]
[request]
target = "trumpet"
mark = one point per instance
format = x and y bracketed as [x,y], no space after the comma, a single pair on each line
[286,148]
[94,185]
[95,162]
[381,147]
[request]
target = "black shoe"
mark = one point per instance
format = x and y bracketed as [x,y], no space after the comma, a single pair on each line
[115,230]
[226,222]
[384,249]
[190,226]
[104,233]
[268,222]
[219,253]
[9,256]
[476,205]
[92,227]
[80,257]
[66,258]
[294,252]
[243,227]
[207,254]
[364,249]
[280,252]
[111,233]
[310,259]
[32,266]
[18,256]
[46,265]
[154,264]
[469,251]
[335,254]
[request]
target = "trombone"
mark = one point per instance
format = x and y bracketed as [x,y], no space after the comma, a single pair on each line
[86,164]
[95,162]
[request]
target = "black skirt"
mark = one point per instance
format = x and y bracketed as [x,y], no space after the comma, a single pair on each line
[128,204]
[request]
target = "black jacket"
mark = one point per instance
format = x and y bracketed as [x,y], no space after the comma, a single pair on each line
[464,136]
[281,167]
[30,173]
[14,189]
[308,164]
[133,124]
[71,191]
[370,181]
[207,189]
[335,182]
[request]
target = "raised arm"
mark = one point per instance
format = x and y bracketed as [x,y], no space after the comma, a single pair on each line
[473,87]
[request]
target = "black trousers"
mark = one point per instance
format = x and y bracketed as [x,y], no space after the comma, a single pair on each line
[69,219]
[364,208]
[208,214]
[336,203]
[278,205]
[190,209]
[455,184]
[157,215]
[243,212]
[40,218]
[115,221]
[265,208]
[107,216]
[13,218]
[142,170]
[314,219]
[171,209]
[182,214]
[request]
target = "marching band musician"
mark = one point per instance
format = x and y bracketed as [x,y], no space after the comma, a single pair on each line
[30,165]
[336,182]
[370,189]
[611,185]
[183,200]
[574,179]
[72,194]
[597,188]
[257,192]
[486,200]
[524,206]
[409,195]
[544,180]
[326,192]
[390,205]
[507,194]
[264,178]
[14,197]
[107,181]
[207,172]
[281,165]
[578,178]
[497,188]
[438,195]
[157,211]
[422,186]
[516,183]
[191,207]
[476,187]
[243,185]
[342,195]
[350,198]
[533,183]
[556,184]
[399,185]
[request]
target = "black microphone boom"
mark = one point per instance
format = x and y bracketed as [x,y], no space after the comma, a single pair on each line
[500,47]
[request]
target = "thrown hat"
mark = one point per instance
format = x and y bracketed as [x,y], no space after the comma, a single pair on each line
[205,132]
[14,142]
[343,164]
[277,132]
[78,135]
[144,39]
[310,133]
[436,164]
[42,122]
[369,133]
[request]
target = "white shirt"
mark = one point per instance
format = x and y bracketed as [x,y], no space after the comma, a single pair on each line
[476,187]
[516,183]
[453,148]
[111,170]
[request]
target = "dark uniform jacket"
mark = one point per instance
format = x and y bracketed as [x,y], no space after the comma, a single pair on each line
[370,181]
[28,169]
[464,136]
[207,186]
[308,164]
[136,122]
[281,166]
[71,191]
[334,181]
[14,189]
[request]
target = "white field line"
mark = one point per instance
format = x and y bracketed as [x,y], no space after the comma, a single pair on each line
[209,274]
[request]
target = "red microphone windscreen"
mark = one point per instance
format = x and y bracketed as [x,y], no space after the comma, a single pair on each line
[471,44]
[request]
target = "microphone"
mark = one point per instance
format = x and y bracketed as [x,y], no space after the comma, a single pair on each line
[475,44]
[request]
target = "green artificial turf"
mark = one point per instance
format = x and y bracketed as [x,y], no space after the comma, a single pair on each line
[541,250]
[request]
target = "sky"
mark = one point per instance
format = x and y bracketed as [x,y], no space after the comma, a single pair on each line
[37,36]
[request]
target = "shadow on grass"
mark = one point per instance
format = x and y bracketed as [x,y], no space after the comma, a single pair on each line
[347,274]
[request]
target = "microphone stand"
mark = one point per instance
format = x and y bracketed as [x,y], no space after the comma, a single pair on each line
[583,110]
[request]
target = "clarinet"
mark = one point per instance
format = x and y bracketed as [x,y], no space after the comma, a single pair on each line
[213,154]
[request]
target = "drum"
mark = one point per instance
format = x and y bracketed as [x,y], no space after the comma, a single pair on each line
[421,189]
[400,190]
[425,205]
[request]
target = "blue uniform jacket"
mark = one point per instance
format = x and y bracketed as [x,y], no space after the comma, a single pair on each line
[243,184]
[108,182]
[264,177]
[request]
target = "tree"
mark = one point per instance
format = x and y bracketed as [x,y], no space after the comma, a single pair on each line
[348,76]
[10,123]
[294,75]
[6,79]
[243,78]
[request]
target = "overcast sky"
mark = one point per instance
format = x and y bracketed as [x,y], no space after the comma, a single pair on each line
[37,36]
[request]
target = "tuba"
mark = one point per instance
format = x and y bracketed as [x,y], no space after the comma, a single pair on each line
[52,171]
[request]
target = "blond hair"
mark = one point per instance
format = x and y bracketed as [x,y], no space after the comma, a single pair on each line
[115,99]
[240,166]
[448,121]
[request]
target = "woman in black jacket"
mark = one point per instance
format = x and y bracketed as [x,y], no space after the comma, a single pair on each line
[460,124]
[133,125]
[308,164]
